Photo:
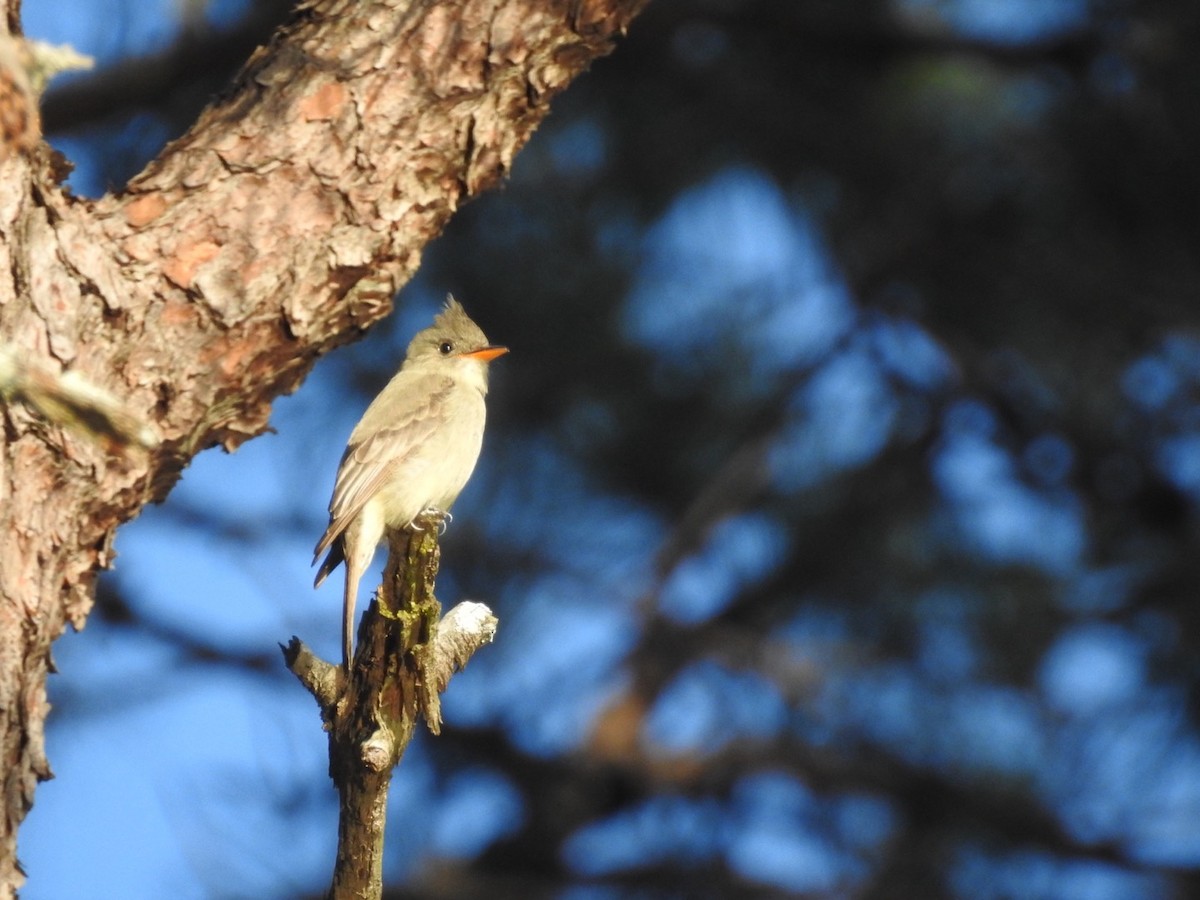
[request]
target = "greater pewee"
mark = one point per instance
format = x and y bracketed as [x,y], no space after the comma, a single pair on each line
[412,451]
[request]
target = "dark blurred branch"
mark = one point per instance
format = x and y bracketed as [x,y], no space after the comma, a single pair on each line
[222,524]
[820,558]
[569,793]
[863,33]
[200,57]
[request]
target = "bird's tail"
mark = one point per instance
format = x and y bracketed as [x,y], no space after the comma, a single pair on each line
[348,599]
[333,559]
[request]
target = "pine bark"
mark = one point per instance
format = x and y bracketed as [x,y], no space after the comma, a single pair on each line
[277,228]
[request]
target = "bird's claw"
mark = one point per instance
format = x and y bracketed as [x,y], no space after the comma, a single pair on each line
[432,514]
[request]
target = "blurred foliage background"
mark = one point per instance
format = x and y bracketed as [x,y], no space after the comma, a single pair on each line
[838,502]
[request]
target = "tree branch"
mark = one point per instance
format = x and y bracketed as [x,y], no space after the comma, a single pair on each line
[404,659]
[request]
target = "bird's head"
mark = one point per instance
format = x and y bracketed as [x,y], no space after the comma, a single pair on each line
[454,344]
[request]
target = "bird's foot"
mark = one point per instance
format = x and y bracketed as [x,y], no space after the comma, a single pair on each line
[432,515]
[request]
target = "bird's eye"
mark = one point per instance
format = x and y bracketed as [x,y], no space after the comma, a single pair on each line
[446,348]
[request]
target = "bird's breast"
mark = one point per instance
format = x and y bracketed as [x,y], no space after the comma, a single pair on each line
[434,474]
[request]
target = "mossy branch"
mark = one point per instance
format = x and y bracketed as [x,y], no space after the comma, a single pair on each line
[405,657]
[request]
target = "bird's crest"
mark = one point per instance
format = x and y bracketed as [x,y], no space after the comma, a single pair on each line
[452,317]
[453,320]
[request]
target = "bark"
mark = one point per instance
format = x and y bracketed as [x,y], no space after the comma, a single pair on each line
[404,659]
[277,228]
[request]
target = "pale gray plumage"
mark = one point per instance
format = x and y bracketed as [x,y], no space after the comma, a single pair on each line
[412,451]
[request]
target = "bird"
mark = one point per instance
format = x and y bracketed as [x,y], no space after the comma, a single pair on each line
[412,451]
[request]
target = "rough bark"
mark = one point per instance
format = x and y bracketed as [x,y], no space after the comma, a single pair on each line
[404,659]
[277,228]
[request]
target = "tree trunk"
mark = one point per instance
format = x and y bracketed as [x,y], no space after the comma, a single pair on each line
[277,228]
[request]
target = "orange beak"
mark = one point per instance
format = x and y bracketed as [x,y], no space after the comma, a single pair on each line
[486,354]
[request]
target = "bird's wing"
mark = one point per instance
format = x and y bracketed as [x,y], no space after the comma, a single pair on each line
[369,460]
